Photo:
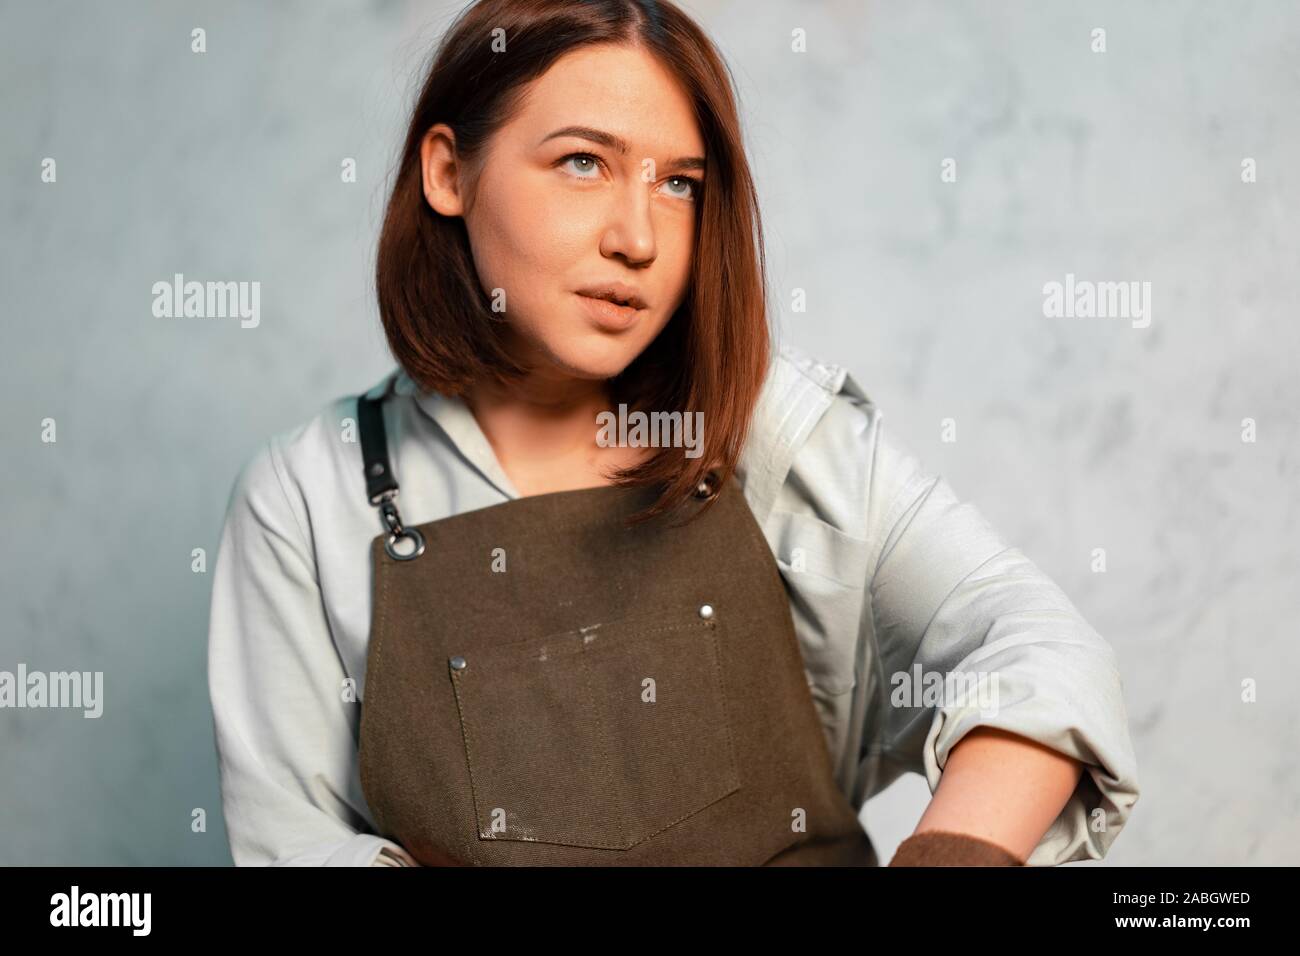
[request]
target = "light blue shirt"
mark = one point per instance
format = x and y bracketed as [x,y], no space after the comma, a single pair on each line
[897,590]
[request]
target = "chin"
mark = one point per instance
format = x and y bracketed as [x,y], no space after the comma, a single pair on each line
[593,359]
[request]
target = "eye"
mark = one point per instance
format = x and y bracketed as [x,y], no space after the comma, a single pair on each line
[593,161]
[693,186]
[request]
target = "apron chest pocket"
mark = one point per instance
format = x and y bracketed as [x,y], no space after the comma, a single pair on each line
[599,737]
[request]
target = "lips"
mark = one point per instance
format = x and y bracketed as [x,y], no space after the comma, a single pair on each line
[608,314]
[620,293]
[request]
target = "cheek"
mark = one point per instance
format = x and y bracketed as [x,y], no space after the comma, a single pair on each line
[676,258]
[525,234]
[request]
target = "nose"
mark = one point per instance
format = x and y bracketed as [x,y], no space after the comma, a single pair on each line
[629,233]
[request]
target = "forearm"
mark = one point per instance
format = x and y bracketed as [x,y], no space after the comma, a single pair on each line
[1002,788]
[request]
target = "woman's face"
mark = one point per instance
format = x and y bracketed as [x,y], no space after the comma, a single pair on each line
[558,209]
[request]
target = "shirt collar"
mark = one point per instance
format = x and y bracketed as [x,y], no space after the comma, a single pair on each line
[456,420]
[796,393]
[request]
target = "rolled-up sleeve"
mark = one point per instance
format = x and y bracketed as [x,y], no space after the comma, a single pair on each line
[285,727]
[949,596]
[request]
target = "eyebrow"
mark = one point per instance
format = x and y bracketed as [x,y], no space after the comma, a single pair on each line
[618,143]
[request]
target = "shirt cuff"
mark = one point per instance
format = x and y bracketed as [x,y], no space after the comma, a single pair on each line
[393,855]
[362,850]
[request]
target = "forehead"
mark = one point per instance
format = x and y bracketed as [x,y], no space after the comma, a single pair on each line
[619,89]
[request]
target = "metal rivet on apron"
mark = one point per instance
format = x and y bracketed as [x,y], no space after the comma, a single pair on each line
[377,468]
[706,611]
[458,663]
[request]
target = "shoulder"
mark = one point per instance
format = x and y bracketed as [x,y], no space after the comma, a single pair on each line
[822,398]
[298,475]
[848,469]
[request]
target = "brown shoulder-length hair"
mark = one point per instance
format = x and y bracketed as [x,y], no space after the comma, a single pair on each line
[713,354]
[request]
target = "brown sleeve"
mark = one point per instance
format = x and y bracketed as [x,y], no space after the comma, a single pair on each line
[942,848]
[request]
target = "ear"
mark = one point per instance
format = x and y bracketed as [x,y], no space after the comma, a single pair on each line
[441,170]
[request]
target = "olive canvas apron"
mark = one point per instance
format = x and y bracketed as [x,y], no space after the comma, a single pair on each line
[545,686]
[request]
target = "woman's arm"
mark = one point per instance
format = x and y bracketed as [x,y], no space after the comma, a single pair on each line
[1002,788]
[285,729]
[1041,756]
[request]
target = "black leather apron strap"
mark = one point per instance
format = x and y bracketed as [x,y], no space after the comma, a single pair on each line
[381,485]
[374,448]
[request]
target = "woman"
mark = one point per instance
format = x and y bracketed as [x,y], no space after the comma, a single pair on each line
[580,645]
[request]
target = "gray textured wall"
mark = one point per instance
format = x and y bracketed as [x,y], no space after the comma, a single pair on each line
[1073,434]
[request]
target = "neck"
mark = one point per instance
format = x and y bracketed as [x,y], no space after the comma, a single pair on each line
[541,395]
[546,415]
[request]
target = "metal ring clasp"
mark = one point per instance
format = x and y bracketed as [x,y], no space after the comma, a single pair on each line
[396,536]
[393,522]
